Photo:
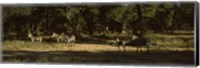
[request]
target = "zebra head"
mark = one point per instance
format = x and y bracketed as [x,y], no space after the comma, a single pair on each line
[30,35]
[117,40]
[54,35]
[133,37]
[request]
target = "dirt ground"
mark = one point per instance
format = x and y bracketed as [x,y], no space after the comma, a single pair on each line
[99,53]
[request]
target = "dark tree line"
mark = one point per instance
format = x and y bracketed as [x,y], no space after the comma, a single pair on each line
[97,18]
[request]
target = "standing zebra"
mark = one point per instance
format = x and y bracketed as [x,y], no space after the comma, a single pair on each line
[35,38]
[121,43]
[139,43]
[71,40]
[60,38]
[135,41]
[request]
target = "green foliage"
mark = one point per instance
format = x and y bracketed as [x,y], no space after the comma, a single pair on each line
[98,18]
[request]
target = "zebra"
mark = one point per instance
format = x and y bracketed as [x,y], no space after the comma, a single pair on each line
[121,43]
[139,43]
[35,38]
[60,38]
[71,40]
[135,41]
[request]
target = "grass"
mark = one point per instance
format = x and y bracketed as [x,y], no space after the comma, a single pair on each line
[171,39]
[170,49]
[26,45]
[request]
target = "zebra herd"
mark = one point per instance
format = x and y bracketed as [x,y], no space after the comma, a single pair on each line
[70,40]
[62,38]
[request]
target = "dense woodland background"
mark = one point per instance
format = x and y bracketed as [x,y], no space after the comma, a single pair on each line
[169,27]
[97,19]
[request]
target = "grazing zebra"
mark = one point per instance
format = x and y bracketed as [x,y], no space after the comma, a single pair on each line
[136,41]
[60,38]
[71,40]
[35,38]
[120,43]
[139,43]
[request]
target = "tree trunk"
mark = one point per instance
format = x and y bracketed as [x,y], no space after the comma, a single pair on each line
[139,25]
[89,20]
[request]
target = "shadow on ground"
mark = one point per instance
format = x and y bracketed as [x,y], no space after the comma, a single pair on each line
[113,57]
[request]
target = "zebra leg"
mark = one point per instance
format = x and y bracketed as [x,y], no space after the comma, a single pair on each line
[74,43]
[124,47]
[41,40]
[147,48]
[58,40]
[70,44]
[118,47]
[66,43]
[33,40]
[141,48]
